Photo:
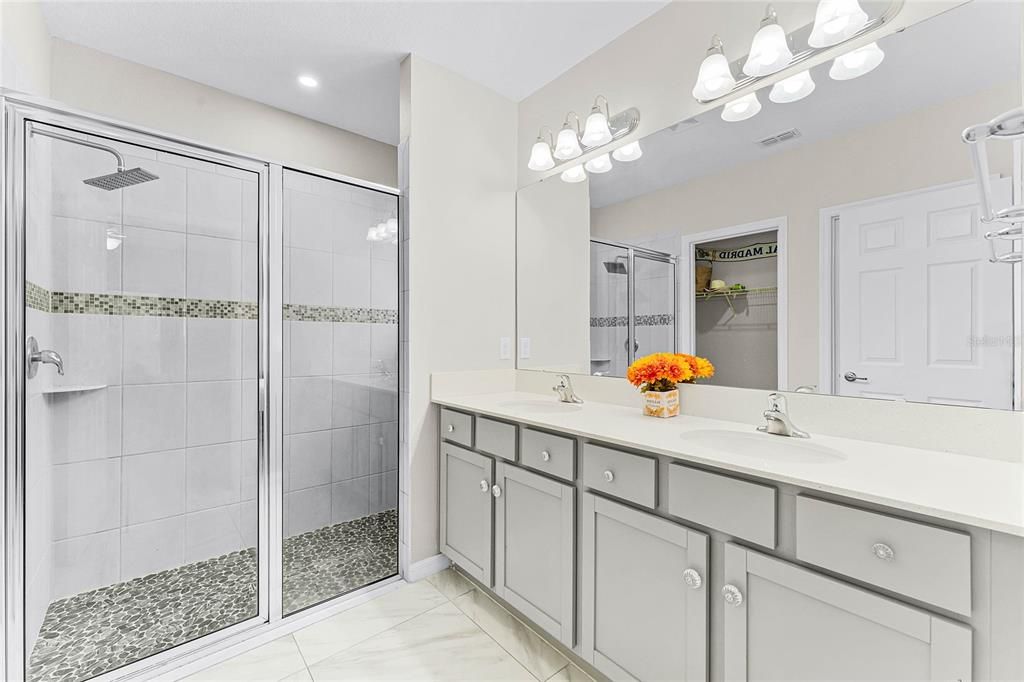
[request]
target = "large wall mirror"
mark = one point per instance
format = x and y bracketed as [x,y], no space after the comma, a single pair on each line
[832,244]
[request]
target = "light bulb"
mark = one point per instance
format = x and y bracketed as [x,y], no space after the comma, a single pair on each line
[836,21]
[792,89]
[567,146]
[540,156]
[856,63]
[392,226]
[741,109]
[769,51]
[574,174]
[628,152]
[596,131]
[371,234]
[715,77]
[308,81]
[599,164]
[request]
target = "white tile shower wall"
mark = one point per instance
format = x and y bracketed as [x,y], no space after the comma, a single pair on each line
[157,466]
[341,396]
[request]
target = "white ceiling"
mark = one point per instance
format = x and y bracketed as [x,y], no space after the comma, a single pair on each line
[257,49]
[967,49]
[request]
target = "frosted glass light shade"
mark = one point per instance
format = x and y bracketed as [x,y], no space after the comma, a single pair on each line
[540,157]
[599,164]
[714,78]
[596,131]
[769,52]
[792,89]
[836,21]
[567,145]
[741,109]
[574,174]
[856,63]
[628,152]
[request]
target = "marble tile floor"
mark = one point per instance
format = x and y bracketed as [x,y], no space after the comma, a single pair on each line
[97,631]
[441,628]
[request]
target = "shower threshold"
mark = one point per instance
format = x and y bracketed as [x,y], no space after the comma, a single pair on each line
[94,632]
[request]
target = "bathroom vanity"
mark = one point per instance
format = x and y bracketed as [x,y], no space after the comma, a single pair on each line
[697,549]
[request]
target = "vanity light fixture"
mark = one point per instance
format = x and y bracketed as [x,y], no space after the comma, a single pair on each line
[792,89]
[540,155]
[574,174]
[836,21]
[714,78]
[596,131]
[384,230]
[741,109]
[769,51]
[628,152]
[567,146]
[307,81]
[856,63]
[599,164]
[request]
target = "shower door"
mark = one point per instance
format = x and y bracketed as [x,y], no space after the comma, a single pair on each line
[138,513]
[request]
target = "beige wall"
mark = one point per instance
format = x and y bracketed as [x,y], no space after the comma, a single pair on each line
[653,66]
[458,147]
[553,246]
[99,83]
[24,49]
[909,152]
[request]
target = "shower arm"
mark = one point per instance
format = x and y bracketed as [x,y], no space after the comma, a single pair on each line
[85,143]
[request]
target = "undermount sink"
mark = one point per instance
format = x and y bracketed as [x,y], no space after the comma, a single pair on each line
[541,406]
[764,446]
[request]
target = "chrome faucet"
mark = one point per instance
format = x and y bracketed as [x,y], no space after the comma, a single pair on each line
[35,357]
[564,390]
[777,421]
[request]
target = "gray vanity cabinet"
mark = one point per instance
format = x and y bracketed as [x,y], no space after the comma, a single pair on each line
[784,622]
[644,594]
[467,514]
[534,571]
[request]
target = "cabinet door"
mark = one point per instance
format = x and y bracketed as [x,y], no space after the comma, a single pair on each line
[784,622]
[645,594]
[467,514]
[534,548]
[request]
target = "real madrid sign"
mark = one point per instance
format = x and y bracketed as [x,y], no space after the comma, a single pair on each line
[749,252]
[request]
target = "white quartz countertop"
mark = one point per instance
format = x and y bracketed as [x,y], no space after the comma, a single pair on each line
[980,492]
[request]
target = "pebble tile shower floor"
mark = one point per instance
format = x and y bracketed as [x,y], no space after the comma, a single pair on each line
[94,632]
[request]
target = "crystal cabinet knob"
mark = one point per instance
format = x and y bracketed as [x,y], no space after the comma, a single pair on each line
[451,428]
[609,476]
[732,595]
[484,486]
[692,579]
[883,551]
[545,455]
[496,491]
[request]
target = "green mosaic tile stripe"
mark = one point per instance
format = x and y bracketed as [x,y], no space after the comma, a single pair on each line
[323,313]
[37,297]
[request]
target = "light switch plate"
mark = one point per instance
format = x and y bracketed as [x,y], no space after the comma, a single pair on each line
[524,347]
[505,348]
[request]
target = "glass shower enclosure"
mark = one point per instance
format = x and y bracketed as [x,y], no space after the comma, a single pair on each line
[632,305]
[201,393]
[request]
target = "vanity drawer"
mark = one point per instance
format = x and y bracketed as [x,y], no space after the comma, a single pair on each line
[921,561]
[457,427]
[740,508]
[554,455]
[632,477]
[496,438]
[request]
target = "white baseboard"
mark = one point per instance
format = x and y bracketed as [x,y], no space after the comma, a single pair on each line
[426,567]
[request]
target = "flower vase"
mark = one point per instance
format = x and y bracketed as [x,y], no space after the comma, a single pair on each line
[661,403]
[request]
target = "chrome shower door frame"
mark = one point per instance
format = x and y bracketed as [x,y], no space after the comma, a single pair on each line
[18,112]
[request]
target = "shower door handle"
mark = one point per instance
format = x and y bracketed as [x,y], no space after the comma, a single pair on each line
[35,357]
[636,346]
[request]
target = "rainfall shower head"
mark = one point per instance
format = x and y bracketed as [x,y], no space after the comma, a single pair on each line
[121,179]
[615,267]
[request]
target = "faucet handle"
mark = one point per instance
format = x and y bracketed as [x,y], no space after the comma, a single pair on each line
[773,401]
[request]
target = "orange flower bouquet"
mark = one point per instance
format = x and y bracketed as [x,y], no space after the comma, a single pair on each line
[658,376]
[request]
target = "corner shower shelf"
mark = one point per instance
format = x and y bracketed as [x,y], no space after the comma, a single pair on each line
[58,390]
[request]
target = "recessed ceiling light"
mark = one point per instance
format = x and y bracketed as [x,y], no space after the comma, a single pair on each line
[308,81]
